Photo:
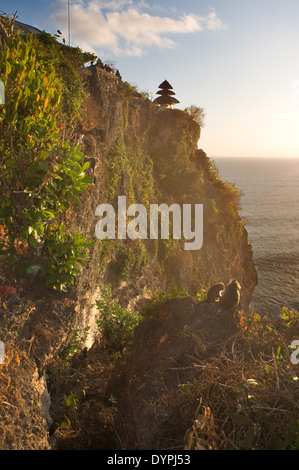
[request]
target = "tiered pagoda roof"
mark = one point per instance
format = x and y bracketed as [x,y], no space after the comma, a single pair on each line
[166,99]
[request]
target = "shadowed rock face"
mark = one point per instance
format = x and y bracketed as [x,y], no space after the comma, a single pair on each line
[164,355]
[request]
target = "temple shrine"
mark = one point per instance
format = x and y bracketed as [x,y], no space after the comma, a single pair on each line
[166,98]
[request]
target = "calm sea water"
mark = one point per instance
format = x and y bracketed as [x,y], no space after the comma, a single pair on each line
[270,205]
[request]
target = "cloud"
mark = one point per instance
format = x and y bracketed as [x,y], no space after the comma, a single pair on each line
[123,27]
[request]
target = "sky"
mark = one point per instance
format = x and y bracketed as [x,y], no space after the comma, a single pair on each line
[236,59]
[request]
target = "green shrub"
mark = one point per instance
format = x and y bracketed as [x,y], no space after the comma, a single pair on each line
[158,297]
[40,175]
[116,324]
[65,252]
[68,62]
[130,257]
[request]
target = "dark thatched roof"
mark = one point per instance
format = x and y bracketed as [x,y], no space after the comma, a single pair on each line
[165,85]
[166,100]
[165,92]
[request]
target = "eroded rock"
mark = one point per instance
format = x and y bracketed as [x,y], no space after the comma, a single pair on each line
[165,354]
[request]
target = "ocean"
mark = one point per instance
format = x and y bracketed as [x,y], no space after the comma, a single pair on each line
[270,207]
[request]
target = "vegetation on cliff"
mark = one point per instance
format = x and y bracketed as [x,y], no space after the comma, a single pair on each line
[154,160]
[41,172]
[150,155]
[179,388]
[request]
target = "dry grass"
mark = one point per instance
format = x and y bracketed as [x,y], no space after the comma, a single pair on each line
[12,361]
[249,395]
[245,397]
[82,407]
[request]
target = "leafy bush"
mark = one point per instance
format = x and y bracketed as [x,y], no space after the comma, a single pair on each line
[149,309]
[62,254]
[68,62]
[196,113]
[116,323]
[40,175]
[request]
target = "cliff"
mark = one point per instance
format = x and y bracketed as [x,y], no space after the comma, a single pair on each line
[149,155]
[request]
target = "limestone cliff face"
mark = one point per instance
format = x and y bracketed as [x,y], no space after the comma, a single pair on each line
[149,155]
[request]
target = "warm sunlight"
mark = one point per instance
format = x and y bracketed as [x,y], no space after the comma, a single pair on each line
[149,234]
[239,66]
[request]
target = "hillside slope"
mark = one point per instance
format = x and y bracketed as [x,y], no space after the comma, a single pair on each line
[138,150]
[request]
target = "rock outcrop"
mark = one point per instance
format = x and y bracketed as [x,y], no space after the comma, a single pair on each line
[165,355]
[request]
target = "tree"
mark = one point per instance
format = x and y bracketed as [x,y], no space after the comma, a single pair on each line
[6,28]
[196,113]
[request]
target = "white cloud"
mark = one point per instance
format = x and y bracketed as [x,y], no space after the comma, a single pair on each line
[114,4]
[122,27]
